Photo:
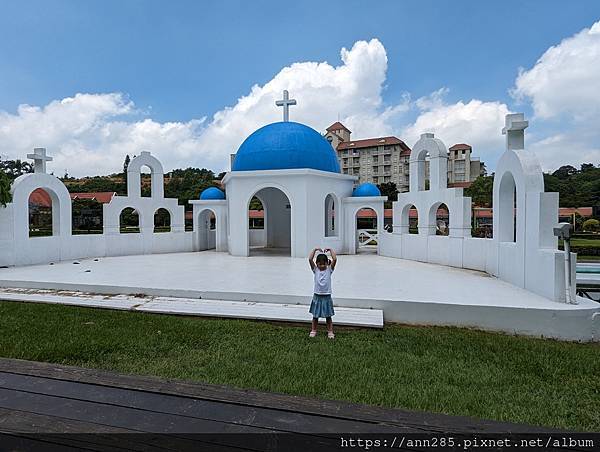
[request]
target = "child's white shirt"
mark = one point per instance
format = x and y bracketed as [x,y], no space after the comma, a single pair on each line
[322,281]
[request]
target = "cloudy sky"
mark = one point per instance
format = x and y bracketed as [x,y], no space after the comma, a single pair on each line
[93,81]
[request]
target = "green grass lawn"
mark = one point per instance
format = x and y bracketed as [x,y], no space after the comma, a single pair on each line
[449,370]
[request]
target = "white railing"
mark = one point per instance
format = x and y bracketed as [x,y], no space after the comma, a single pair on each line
[367,238]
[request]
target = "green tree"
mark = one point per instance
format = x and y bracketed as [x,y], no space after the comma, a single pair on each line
[125,166]
[565,172]
[5,196]
[481,191]
[591,225]
[390,190]
[15,168]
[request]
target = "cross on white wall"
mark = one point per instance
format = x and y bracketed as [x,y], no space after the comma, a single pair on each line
[285,103]
[514,130]
[39,158]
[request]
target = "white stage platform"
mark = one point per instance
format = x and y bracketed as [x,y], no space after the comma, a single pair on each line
[407,291]
[371,318]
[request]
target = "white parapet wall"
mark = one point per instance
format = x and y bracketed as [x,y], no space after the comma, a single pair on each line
[523,250]
[18,248]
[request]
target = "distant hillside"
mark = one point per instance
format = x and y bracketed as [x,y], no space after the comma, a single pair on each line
[183,184]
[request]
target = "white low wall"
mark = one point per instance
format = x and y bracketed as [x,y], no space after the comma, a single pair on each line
[257,237]
[40,250]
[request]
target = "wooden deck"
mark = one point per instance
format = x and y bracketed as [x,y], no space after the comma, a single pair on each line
[47,406]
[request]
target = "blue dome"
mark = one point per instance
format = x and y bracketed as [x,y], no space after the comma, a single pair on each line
[285,145]
[366,189]
[212,193]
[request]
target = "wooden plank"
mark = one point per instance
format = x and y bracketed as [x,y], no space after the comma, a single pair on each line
[123,417]
[398,417]
[273,419]
[25,428]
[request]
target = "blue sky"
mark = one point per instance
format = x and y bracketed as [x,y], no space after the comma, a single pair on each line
[187,60]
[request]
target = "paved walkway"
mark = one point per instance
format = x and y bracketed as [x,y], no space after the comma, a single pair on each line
[41,402]
[372,318]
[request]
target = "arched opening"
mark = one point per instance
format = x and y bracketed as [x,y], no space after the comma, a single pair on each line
[331,229]
[276,237]
[88,216]
[439,219]
[410,219]
[129,221]
[207,230]
[366,230]
[423,168]
[507,209]
[146,181]
[162,220]
[43,213]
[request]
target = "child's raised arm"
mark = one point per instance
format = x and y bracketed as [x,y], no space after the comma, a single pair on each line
[333,258]
[311,258]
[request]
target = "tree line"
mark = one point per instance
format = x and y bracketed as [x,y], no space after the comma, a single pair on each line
[576,187]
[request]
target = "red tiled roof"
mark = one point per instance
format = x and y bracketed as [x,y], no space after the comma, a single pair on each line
[583,211]
[460,184]
[103,197]
[40,197]
[460,147]
[337,126]
[370,142]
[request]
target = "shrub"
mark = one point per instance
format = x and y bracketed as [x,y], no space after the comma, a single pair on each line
[591,225]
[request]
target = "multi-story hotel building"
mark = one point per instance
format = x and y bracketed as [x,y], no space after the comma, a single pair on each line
[385,159]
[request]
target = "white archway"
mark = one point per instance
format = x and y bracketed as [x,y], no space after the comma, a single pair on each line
[134,170]
[406,226]
[331,222]
[367,228]
[506,209]
[207,229]
[278,212]
[439,223]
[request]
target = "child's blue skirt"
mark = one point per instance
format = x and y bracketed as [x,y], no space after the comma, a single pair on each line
[321,306]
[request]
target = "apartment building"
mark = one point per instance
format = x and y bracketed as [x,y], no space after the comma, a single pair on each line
[385,159]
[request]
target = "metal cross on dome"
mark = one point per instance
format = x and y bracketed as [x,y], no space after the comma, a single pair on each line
[285,103]
[39,160]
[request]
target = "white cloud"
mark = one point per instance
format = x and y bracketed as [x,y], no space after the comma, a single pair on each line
[565,79]
[476,122]
[564,89]
[87,134]
[91,133]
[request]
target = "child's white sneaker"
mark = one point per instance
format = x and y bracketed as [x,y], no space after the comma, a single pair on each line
[330,335]
[312,333]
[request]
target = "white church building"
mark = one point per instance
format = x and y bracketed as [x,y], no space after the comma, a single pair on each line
[308,202]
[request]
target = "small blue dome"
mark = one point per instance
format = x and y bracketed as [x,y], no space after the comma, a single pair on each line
[285,145]
[366,189]
[212,193]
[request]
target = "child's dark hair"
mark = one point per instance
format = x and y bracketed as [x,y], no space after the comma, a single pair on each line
[322,259]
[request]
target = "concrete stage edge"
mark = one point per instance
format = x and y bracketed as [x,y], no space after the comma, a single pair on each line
[407,291]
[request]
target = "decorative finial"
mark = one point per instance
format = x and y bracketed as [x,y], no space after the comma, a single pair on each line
[39,158]
[514,130]
[285,103]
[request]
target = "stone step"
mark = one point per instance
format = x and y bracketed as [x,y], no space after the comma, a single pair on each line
[372,318]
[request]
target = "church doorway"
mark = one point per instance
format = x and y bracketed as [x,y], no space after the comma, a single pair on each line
[366,231]
[207,230]
[269,223]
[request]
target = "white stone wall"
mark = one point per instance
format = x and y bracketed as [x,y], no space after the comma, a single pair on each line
[302,225]
[523,250]
[17,248]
